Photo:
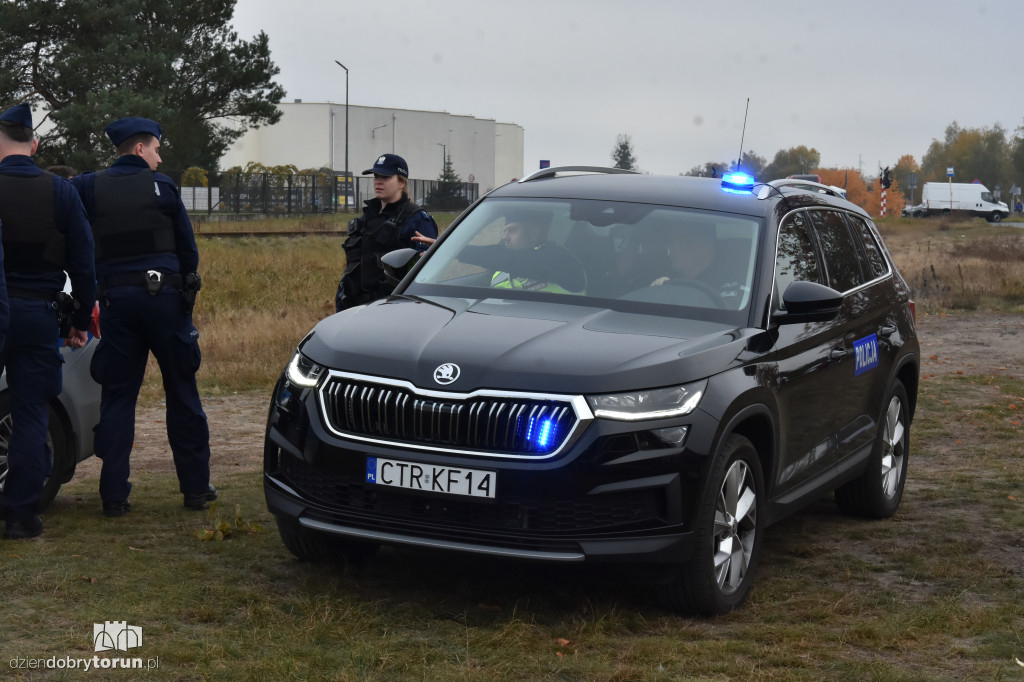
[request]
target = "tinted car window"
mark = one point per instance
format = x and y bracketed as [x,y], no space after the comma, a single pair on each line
[842,260]
[795,260]
[634,253]
[876,261]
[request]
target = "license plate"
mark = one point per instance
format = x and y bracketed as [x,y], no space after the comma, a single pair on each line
[431,478]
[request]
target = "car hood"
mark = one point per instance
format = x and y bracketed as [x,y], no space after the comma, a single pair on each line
[522,345]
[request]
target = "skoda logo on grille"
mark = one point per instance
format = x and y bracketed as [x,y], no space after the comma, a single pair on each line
[447,373]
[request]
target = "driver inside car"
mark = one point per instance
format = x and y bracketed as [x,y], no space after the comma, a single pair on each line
[525,258]
[694,262]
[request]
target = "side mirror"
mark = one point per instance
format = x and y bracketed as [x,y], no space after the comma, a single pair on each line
[397,264]
[808,302]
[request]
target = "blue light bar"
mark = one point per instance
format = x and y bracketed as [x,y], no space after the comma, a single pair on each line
[737,182]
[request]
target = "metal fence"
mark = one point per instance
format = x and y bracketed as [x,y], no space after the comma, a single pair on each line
[266,193]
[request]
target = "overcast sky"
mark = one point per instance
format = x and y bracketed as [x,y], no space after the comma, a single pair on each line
[862,82]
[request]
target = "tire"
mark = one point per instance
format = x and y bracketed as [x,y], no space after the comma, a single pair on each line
[995,217]
[313,547]
[879,490]
[61,461]
[720,573]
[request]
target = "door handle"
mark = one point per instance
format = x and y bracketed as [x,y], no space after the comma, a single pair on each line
[837,354]
[887,330]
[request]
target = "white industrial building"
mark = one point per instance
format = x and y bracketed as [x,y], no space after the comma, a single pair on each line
[312,135]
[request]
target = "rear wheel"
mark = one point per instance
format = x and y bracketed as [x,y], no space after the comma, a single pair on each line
[720,574]
[316,547]
[877,493]
[61,459]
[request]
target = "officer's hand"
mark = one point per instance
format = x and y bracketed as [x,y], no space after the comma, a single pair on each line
[422,239]
[78,338]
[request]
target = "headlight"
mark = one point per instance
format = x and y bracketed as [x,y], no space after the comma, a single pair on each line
[304,372]
[657,403]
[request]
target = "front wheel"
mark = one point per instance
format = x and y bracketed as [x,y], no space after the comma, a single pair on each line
[720,574]
[879,490]
[995,217]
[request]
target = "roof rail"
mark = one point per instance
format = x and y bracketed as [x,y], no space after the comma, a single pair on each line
[550,172]
[811,185]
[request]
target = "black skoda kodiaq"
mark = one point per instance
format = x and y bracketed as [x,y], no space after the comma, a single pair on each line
[597,366]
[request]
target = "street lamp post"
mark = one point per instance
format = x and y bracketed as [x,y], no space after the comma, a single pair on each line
[348,178]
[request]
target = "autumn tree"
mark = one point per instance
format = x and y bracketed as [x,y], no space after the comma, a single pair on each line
[974,154]
[857,190]
[89,62]
[906,165]
[622,154]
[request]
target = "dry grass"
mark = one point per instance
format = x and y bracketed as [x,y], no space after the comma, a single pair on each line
[956,264]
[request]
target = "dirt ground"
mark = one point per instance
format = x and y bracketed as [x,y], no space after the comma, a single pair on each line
[977,343]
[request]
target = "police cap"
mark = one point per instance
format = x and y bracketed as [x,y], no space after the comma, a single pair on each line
[389,164]
[124,128]
[20,114]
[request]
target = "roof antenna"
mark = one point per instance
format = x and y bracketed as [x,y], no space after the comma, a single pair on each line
[743,134]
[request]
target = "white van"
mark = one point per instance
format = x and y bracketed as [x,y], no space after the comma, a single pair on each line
[973,198]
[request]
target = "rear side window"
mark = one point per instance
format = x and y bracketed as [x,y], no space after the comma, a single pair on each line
[842,259]
[795,260]
[876,261]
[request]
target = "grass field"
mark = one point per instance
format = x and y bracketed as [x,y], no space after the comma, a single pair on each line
[937,593]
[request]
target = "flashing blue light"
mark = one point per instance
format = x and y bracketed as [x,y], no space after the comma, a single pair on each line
[738,183]
[542,435]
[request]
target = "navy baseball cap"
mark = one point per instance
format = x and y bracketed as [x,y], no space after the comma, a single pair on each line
[389,164]
[20,114]
[123,128]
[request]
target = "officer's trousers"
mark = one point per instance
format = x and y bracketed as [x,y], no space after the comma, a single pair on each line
[133,323]
[31,356]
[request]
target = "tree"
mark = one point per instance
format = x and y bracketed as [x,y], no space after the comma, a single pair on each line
[448,193]
[973,153]
[175,61]
[793,161]
[622,153]
[751,163]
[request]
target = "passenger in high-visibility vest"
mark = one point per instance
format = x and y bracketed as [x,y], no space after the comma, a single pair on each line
[548,267]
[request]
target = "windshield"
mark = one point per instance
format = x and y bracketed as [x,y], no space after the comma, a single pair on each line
[596,251]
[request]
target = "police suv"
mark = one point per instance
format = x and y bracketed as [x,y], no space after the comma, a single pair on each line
[598,366]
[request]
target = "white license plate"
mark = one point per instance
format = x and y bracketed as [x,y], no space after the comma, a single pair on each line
[431,478]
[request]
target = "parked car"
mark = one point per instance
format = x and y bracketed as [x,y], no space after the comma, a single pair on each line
[601,395]
[73,415]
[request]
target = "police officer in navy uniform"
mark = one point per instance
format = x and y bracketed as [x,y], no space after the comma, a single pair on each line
[146,263]
[390,221]
[46,237]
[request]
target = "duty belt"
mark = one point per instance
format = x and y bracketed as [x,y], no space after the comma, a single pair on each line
[32,294]
[153,280]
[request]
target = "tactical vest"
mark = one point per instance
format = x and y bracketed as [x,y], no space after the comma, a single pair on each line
[380,237]
[32,242]
[129,222]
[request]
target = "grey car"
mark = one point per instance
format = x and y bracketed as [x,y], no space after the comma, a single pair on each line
[73,414]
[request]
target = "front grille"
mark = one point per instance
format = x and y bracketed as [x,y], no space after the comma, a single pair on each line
[488,424]
[617,511]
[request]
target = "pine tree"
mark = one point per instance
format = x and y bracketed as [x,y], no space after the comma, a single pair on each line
[448,193]
[178,62]
[622,154]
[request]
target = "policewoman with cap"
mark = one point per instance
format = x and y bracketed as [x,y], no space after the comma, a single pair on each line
[389,221]
[146,264]
[45,234]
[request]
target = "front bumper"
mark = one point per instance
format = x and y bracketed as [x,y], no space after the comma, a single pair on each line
[616,496]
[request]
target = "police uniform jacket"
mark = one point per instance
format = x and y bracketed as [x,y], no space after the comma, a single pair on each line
[182,257]
[70,221]
[383,239]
